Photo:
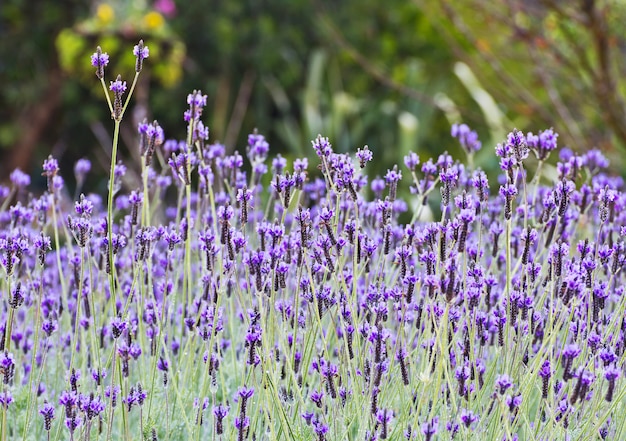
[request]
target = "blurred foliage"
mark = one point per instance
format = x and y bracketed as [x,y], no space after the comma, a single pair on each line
[547,63]
[305,82]
[385,74]
[292,69]
[117,26]
[28,55]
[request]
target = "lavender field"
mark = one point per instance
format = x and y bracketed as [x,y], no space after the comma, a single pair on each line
[240,296]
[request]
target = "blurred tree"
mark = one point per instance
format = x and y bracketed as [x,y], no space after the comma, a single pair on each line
[547,62]
[357,71]
[116,26]
[395,54]
[31,92]
[284,67]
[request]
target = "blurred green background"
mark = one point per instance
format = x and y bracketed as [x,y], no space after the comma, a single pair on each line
[393,75]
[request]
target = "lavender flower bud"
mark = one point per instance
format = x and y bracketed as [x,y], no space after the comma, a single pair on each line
[118,87]
[99,60]
[518,144]
[141,52]
[467,137]
[220,413]
[611,374]
[364,156]
[47,412]
[545,373]
[508,192]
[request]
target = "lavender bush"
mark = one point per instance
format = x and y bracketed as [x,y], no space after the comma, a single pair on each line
[264,301]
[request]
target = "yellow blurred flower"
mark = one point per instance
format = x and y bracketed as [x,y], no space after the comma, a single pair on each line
[105,13]
[173,76]
[153,20]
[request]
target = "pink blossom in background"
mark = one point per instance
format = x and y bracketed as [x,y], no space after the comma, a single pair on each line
[166,7]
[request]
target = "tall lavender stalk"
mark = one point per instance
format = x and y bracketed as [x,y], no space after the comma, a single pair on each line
[117,107]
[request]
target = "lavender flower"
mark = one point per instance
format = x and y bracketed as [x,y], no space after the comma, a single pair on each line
[383,418]
[99,60]
[411,161]
[163,366]
[508,192]
[467,137]
[611,374]
[364,156]
[92,406]
[220,413]
[196,102]
[140,52]
[545,373]
[570,352]
[430,428]
[322,147]
[513,402]
[517,145]
[245,394]
[468,417]
[503,382]
[320,430]
[151,136]
[6,398]
[19,178]
[47,412]
[241,424]
[117,327]
[118,87]
[81,168]
[392,178]
[542,144]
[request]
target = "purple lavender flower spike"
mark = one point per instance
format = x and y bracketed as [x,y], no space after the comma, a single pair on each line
[19,178]
[467,137]
[468,417]
[611,374]
[503,382]
[545,373]
[364,156]
[47,412]
[141,52]
[430,428]
[99,60]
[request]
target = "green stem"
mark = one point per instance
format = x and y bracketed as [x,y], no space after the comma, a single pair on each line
[112,409]
[57,246]
[507,295]
[130,93]
[31,401]
[7,339]
[116,133]
[106,94]
[78,303]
